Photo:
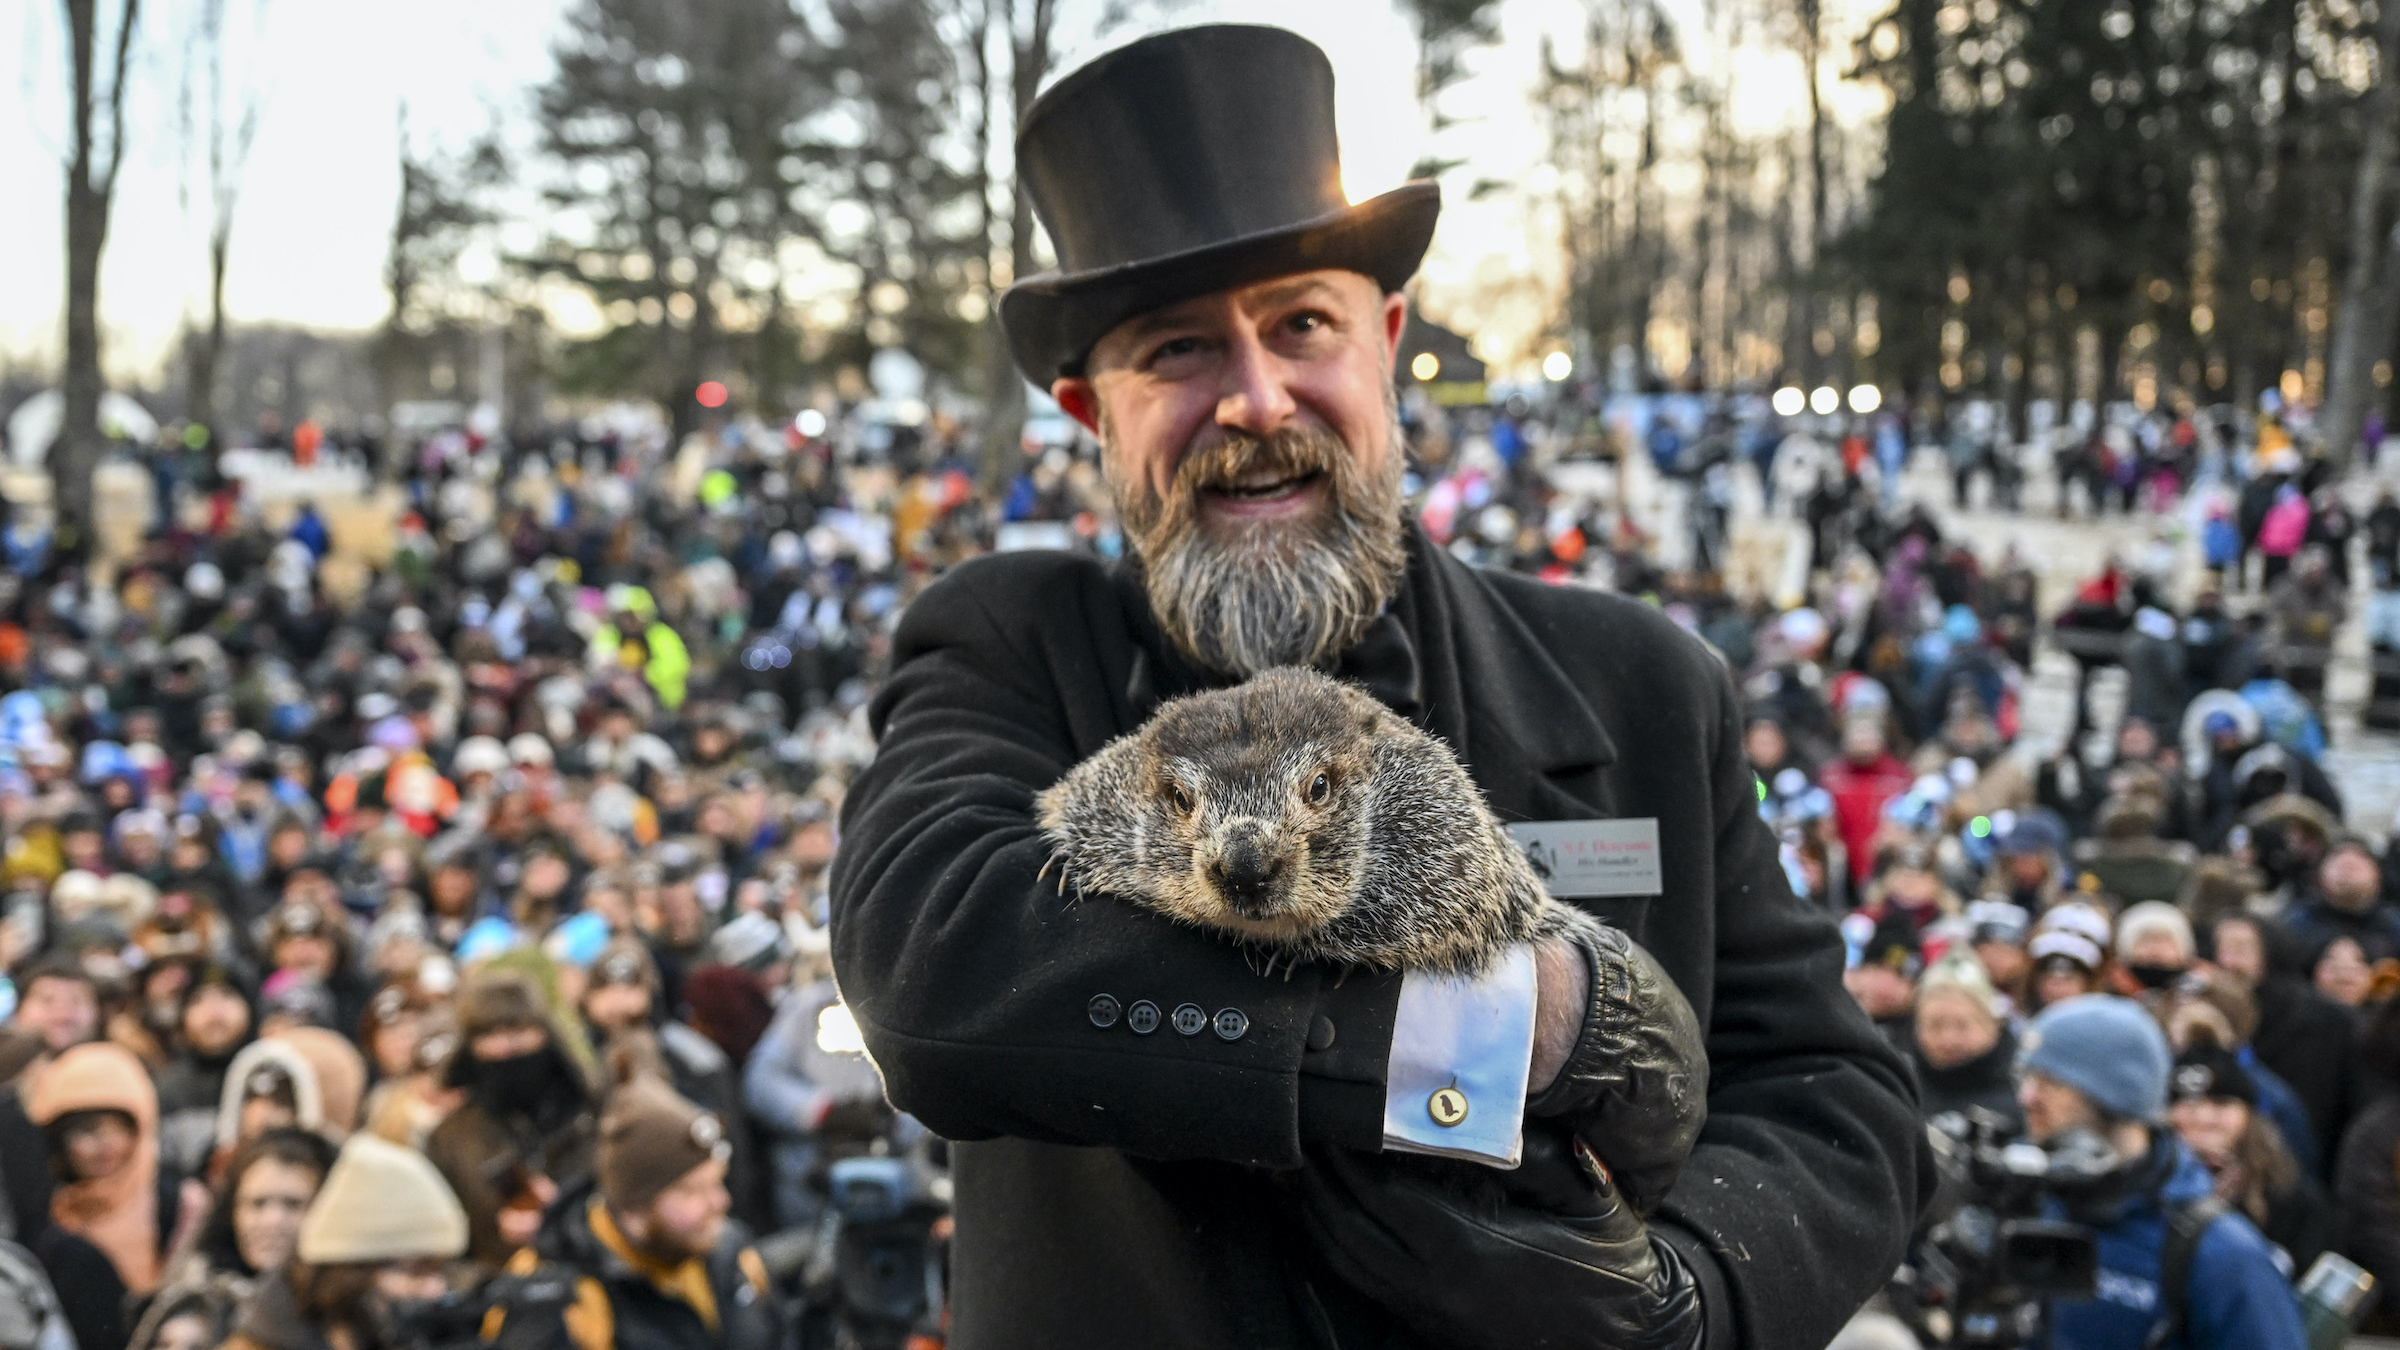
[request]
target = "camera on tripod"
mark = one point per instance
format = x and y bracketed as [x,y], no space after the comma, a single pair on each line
[1989,1260]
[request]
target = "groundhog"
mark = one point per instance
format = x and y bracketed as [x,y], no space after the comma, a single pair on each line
[1303,818]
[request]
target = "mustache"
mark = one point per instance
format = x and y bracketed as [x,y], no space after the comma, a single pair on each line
[1291,452]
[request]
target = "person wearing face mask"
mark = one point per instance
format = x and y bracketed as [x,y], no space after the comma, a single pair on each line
[2215,1112]
[524,1132]
[2154,948]
[657,1263]
[376,1238]
[250,1230]
[217,1022]
[115,1213]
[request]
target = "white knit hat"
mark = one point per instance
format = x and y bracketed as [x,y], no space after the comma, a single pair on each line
[382,1202]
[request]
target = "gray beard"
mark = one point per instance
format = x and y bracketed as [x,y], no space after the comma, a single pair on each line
[1292,593]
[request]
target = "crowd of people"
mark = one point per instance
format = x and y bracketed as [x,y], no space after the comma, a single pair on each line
[391,914]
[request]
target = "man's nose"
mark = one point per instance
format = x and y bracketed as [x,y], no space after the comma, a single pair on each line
[1252,397]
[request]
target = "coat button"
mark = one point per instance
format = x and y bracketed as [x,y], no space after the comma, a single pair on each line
[1191,1019]
[1447,1106]
[1142,1018]
[1320,1033]
[1104,1010]
[1232,1022]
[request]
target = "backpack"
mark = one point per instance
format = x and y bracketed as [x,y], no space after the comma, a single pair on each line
[2186,1225]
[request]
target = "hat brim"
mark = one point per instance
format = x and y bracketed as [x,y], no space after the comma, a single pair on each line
[1052,320]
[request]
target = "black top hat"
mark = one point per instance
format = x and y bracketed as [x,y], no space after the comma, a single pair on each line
[1187,163]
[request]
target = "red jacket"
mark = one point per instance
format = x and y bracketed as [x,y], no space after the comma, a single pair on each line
[1859,793]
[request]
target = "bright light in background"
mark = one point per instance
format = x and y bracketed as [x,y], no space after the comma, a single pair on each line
[1866,398]
[837,1032]
[1557,366]
[810,422]
[1789,401]
[1826,400]
[1426,366]
[710,393]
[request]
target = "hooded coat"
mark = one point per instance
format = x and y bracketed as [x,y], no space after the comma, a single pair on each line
[1115,1189]
[2237,1298]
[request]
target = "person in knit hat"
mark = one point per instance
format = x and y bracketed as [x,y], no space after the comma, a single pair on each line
[2215,1111]
[620,1008]
[2098,1066]
[657,1261]
[114,1215]
[525,1129]
[381,1231]
[1964,1053]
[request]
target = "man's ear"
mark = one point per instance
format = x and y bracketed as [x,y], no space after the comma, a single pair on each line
[1395,319]
[1077,399]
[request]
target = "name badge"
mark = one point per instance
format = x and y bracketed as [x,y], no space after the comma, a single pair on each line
[1581,858]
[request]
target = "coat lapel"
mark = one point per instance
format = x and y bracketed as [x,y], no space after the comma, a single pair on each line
[1526,731]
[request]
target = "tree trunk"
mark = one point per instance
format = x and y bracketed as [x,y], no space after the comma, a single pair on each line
[1812,33]
[91,183]
[2366,321]
[200,391]
[996,457]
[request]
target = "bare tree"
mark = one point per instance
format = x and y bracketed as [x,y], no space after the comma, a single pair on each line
[91,188]
[230,133]
[2371,291]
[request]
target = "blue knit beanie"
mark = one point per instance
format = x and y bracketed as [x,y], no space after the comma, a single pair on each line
[2106,1048]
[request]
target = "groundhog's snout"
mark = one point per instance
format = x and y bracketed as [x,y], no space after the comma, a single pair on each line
[1245,868]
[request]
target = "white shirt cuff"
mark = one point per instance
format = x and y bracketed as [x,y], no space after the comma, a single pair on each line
[1461,1048]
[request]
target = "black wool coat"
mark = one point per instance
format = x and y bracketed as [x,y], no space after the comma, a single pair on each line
[1118,1189]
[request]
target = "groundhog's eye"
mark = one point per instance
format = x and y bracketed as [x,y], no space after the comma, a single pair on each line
[1319,788]
[1177,794]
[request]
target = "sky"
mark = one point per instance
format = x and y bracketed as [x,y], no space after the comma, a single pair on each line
[316,202]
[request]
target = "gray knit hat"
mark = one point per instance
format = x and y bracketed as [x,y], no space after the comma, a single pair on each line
[2106,1048]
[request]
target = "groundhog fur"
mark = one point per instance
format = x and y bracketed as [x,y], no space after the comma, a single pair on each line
[1304,819]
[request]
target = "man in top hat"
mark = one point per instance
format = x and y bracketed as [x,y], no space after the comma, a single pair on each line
[1157,1143]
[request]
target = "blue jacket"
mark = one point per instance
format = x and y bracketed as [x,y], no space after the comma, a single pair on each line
[2237,1300]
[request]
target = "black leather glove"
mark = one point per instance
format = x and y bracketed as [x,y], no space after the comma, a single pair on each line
[1549,1255]
[1635,1090]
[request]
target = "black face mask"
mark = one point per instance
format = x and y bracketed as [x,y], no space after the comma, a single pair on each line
[521,1084]
[2154,977]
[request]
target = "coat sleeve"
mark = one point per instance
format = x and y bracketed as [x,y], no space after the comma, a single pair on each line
[2237,1298]
[973,980]
[1799,1199]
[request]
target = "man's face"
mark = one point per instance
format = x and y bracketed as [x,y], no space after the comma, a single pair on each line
[2241,954]
[214,1020]
[1249,441]
[507,1043]
[2351,880]
[64,1013]
[614,1006]
[2052,1108]
[688,1216]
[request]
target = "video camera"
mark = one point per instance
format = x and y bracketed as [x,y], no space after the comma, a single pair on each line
[1988,1261]
[874,1273]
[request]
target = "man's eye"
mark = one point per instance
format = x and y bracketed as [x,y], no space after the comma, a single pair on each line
[1308,321]
[1173,348]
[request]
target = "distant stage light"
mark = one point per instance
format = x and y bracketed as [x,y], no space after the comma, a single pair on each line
[1789,401]
[1557,366]
[810,422]
[1826,400]
[710,393]
[1426,366]
[1865,398]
